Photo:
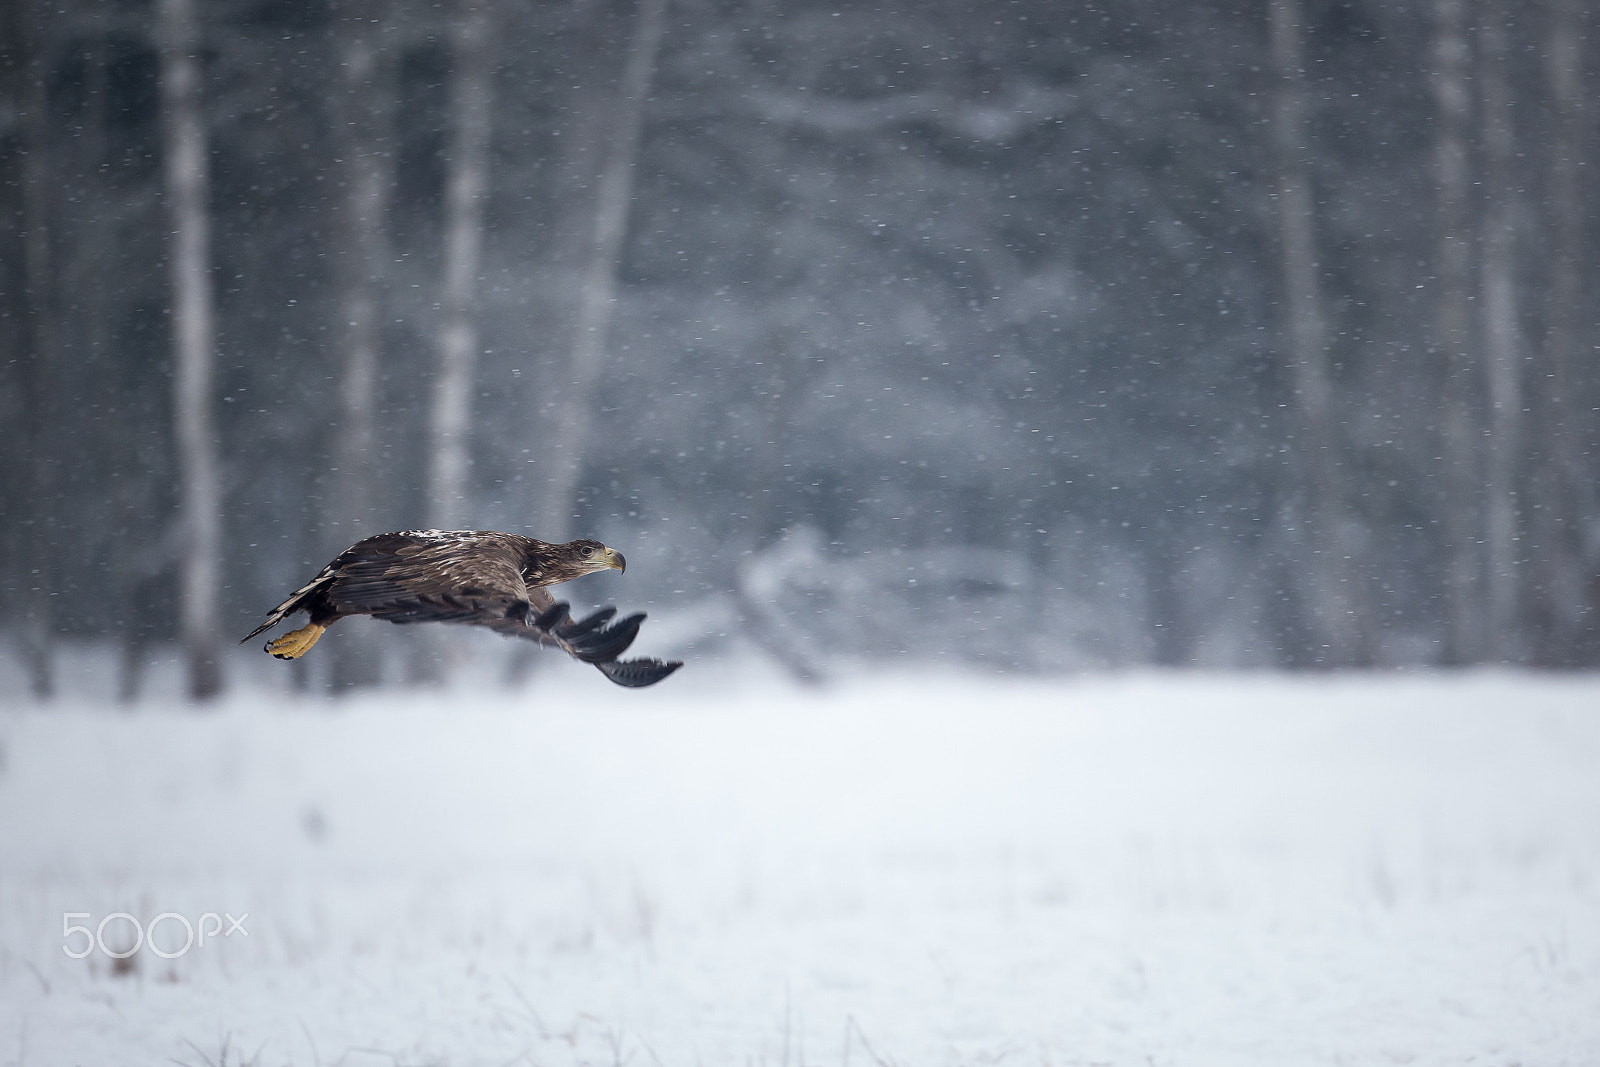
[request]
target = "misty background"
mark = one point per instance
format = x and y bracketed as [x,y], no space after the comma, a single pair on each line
[1042,335]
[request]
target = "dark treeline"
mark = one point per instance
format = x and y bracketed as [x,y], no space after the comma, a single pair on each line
[1041,333]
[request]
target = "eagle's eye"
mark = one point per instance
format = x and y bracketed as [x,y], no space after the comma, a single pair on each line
[591,552]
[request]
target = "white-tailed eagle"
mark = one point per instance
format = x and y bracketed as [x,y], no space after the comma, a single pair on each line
[478,577]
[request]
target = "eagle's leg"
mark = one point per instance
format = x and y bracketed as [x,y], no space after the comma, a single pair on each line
[296,643]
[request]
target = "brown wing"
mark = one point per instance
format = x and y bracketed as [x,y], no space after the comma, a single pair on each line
[467,577]
[592,639]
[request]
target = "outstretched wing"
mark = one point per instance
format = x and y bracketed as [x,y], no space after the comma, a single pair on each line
[403,577]
[593,639]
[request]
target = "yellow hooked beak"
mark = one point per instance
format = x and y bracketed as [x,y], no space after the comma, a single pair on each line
[614,559]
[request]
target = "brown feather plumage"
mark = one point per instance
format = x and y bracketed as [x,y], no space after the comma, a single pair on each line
[475,577]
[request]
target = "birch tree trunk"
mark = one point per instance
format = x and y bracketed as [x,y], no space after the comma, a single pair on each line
[1459,481]
[1328,590]
[569,442]
[367,176]
[1562,493]
[466,188]
[1502,345]
[194,339]
[600,141]
[38,364]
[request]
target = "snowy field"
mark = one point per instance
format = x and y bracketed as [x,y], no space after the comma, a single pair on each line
[914,869]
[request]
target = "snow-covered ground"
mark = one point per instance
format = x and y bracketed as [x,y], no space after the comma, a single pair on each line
[915,868]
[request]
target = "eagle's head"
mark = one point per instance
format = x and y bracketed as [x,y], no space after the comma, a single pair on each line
[586,556]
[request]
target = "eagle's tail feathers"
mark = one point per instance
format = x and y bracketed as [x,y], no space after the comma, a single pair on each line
[272,620]
[290,606]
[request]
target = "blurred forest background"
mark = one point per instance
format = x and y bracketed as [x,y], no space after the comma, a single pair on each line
[1037,333]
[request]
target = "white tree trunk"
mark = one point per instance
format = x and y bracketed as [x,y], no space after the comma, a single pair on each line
[363,113]
[1459,488]
[185,166]
[467,185]
[569,443]
[1502,347]
[1564,492]
[1331,593]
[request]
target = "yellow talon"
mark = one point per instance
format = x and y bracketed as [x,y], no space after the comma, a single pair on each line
[295,643]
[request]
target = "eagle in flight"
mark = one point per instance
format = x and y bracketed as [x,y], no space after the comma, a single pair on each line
[479,577]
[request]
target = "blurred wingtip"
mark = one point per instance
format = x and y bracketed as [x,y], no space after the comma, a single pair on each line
[638,673]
